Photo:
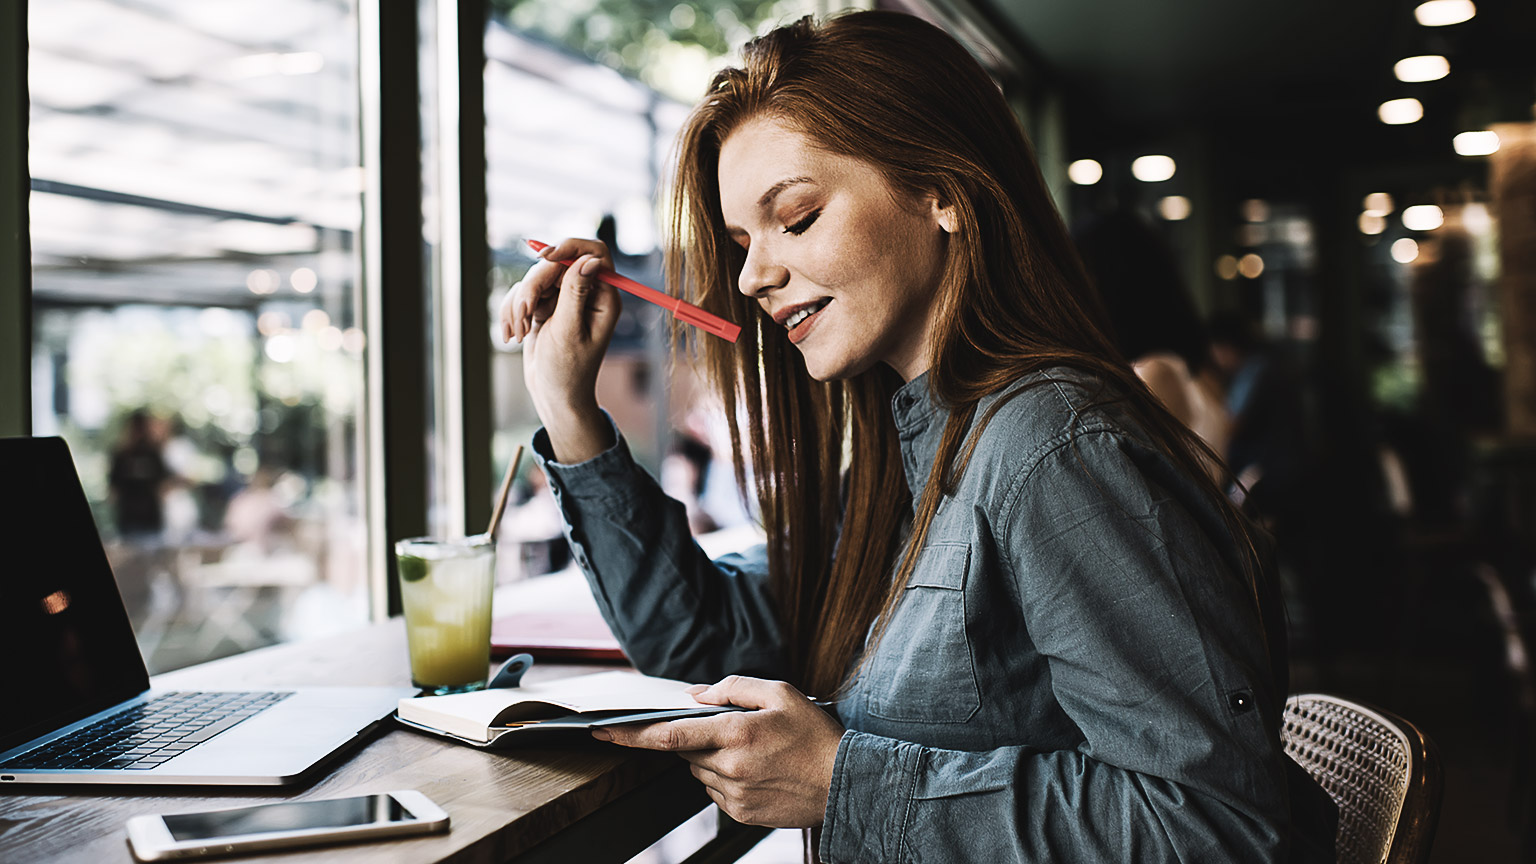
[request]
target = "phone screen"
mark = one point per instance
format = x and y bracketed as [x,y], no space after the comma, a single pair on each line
[289,816]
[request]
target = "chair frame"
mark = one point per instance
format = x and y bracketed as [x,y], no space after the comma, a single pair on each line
[1419,810]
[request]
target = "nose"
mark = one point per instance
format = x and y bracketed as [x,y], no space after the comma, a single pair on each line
[759,274]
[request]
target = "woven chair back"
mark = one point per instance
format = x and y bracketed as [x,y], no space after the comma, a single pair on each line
[1380,769]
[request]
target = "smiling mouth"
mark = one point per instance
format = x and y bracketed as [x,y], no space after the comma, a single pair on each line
[794,320]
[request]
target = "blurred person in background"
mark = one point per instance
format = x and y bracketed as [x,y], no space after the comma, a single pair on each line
[138,479]
[1461,394]
[1274,474]
[182,514]
[684,476]
[256,518]
[1267,450]
[1153,323]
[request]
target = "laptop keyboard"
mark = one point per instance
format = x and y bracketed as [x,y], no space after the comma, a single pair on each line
[147,734]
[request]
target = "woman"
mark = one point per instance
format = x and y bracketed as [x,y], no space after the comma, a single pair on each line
[1070,661]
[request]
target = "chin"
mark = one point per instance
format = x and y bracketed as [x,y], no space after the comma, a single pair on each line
[838,369]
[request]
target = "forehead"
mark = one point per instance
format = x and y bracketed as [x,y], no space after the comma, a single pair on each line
[760,153]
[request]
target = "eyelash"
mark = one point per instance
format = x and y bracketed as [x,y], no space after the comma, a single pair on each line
[803,225]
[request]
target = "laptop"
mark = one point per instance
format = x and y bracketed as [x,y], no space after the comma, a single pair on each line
[79,707]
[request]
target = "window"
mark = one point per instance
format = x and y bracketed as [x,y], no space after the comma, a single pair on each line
[581,115]
[197,334]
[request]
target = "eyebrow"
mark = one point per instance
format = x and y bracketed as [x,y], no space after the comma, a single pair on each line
[775,189]
[772,193]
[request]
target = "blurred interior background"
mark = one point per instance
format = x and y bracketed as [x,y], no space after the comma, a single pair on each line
[1325,212]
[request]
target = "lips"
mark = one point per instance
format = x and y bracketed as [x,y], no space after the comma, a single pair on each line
[803,313]
[802,318]
[782,316]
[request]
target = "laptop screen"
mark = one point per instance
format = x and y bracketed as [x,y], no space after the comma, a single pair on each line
[65,641]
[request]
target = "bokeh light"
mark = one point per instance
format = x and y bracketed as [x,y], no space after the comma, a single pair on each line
[1398,112]
[1085,172]
[1442,13]
[1425,67]
[1175,208]
[1423,217]
[1154,168]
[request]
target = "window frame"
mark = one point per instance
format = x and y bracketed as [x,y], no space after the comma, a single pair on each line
[15,238]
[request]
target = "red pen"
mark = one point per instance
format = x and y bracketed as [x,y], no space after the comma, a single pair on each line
[684,311]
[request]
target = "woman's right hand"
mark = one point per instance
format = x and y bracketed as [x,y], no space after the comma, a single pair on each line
[565,316]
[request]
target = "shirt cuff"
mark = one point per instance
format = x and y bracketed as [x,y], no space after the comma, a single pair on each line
[607,484]
[873,782]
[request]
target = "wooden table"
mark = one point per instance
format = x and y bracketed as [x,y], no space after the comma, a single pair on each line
[577,804]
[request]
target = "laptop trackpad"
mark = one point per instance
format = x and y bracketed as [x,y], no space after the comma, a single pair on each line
[287,738]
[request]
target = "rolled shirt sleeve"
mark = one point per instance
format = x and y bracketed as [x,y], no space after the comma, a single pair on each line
[676,613]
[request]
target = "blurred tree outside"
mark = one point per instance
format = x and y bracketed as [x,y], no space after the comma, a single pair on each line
[673,47]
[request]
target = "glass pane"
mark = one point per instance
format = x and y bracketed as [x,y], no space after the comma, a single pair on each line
[581,113]
[198,338]
[554,174]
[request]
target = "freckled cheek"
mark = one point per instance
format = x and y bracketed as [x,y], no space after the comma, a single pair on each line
[857,259]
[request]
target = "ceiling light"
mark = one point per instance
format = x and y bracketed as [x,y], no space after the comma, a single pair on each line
[1378,203]
[1174,208]
[1439,13]
[1482,143]
[1250,265]
[1428,67]
[1153,169]
[1372,223]
[1405,250]
[1085,172]
[1396,112]
[1423,217]
[1226,267]
[1255,210]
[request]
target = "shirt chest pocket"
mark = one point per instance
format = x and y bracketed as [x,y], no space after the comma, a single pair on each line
[922,671]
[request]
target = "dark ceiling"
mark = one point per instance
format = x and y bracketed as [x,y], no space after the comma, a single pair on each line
[1144,67]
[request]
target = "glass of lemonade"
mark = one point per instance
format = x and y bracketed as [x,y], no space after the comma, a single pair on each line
[445,586]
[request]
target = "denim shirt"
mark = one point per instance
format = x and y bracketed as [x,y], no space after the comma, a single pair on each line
[1074,672]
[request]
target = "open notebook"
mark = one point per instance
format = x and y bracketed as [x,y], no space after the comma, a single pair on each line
[533,713]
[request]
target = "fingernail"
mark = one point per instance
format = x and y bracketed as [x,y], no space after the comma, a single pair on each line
[506,333]
[602,734]
[590,266]
[695,689]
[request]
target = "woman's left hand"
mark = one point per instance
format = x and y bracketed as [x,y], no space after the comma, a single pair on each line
[769,766]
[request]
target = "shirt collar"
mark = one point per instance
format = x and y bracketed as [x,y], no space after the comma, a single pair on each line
[920,426]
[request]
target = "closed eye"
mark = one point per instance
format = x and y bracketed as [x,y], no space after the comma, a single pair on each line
[804,224]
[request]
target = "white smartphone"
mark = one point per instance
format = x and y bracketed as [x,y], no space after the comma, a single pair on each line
[166,837]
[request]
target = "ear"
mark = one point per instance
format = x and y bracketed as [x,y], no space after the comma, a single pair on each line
[946,217]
